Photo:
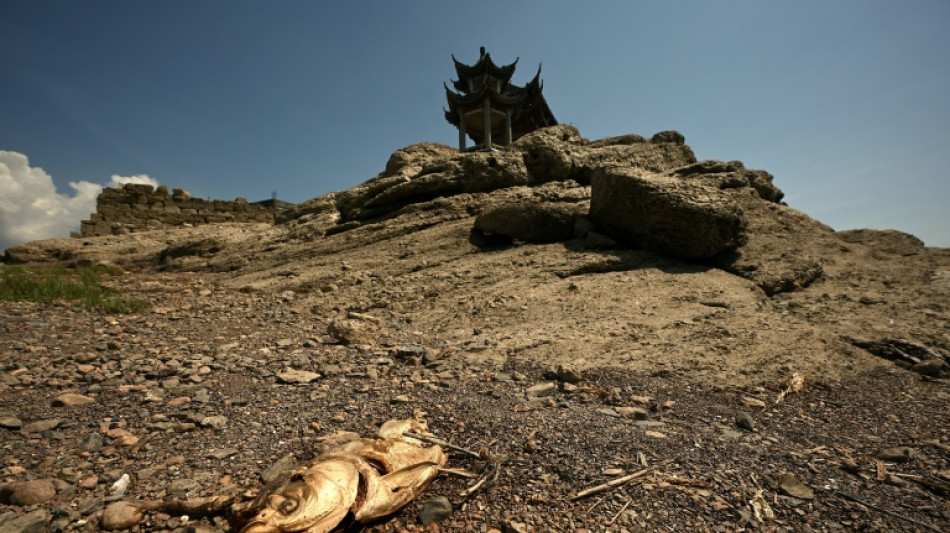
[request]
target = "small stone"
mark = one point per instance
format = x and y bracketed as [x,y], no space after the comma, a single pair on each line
[121,515]
[284,464]
[749,401]
[352,332]
[636,413]
[122,437]
[509,526]
[608,411]
[402,398]
[654,434]
[744,421]
[541,390]
[93,442]
[792,486]
[568,374]
[223,454]
[181,487]
[41,425]
[70,399]
[9,421]
[930,367]
[297,376]
[215,422]
[35,522]
[899,454]
[435,510]
[29,492]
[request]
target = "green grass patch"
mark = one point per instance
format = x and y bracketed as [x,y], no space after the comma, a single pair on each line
[47,285]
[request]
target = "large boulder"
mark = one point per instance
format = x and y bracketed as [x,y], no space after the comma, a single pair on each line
[682,219]
[531,222]
[548,153]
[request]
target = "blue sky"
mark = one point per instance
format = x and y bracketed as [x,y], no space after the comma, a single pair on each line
[845,102]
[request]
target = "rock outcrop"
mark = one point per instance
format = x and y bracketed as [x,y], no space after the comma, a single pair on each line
[678,218]
[650,194]
[531,222]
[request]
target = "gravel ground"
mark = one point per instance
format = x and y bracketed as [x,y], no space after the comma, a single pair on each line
[192,398]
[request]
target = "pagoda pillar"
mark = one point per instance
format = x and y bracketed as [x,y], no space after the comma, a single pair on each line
[507,133]
[486,115]
[462,132]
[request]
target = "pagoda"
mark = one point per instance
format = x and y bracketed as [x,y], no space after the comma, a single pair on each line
[490,109]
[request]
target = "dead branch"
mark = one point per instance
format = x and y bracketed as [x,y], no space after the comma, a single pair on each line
[613,483]
[440,442]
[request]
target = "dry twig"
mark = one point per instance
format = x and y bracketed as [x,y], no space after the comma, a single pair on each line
[620,512]
[440,442]
[613,483]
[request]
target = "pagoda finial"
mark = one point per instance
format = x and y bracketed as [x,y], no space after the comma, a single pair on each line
[481,52]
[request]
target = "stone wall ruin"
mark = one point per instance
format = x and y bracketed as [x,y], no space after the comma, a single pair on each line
[140,207]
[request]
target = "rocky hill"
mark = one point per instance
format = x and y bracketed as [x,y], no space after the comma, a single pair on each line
[454,283]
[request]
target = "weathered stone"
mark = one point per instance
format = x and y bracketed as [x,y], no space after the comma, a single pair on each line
[284,464]
[33,522]
[215,422]
[930,367]
[28,492]
[350,332]
[10,421]
[41,425]
[568,374]
[744,420]
[435,510]
[297,376]
[636,413]
[541,390]
[121,515]
[792,486]
[530,222]
[681,219]
[899,454]
[71,400]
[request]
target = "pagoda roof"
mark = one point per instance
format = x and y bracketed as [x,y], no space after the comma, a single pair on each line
[485,65]
[489,91]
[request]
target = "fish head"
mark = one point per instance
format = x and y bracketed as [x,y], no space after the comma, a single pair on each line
[311,503]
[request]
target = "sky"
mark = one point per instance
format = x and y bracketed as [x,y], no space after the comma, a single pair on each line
[845,102]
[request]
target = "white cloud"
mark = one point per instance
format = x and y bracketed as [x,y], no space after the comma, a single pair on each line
[32,209]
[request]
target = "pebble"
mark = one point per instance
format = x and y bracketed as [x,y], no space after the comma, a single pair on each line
[274,471]
[34,522]
[9,421]
[41,425]
[792,486]
[435,510]
[899,454]
[70,399]
[215,422]
[542,390]
[297,376]
[744,421]
[636,413]
[568,374]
